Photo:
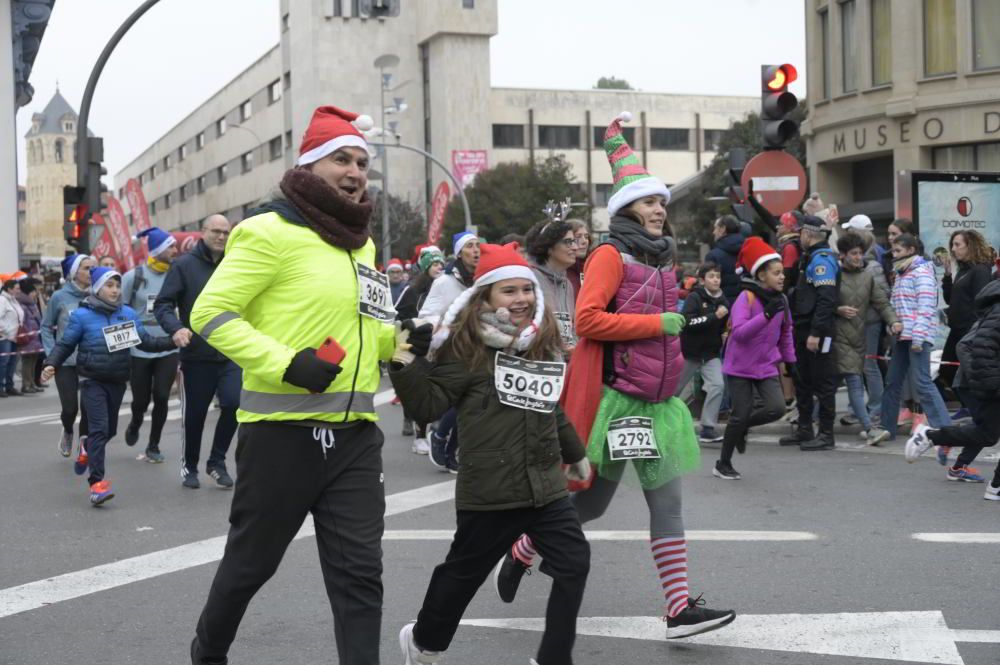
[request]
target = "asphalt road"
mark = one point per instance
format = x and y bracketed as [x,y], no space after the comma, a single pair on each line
[848,578]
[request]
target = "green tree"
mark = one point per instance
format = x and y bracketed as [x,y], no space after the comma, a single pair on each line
[612,83]
[407,226]
[509,197]
[692,221]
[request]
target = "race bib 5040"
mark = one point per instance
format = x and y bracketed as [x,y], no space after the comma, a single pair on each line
[528,384]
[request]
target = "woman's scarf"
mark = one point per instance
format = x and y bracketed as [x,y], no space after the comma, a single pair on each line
[465,276]
[499,333]
[764,295]
[903,264]
[338,221]
[657,250]
[99,304]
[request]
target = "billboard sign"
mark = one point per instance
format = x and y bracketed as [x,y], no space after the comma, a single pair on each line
[467,164]
[439,205]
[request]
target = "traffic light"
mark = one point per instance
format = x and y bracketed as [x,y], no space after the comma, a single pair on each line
[76,215]
[776,104]
[378,8]
[734,190]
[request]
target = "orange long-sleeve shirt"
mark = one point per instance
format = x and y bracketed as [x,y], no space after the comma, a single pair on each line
[603,275]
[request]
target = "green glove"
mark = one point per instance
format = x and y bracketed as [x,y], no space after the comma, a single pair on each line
[672,323]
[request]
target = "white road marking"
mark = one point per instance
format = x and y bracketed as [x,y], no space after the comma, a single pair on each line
[918,637]
[741,536]
[963,538]
[34,595]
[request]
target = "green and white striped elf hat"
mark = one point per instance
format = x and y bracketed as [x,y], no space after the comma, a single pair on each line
[632,180]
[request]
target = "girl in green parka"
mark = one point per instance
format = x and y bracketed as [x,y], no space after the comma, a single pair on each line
[498,359]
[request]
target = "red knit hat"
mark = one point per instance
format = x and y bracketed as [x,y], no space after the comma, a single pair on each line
[753,254]
[330,130]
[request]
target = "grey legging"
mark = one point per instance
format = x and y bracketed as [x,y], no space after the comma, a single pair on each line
[664,503]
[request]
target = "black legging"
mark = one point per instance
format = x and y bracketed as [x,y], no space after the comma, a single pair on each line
[68,386]
[946,373]
[152,377]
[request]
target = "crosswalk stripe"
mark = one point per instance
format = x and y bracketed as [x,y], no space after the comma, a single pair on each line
[960,538]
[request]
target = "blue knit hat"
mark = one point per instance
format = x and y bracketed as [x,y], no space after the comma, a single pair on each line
[71,264]
[461,239]
[157,240]
[99,276]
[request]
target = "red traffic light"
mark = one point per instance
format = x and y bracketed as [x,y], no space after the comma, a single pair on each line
[778,78]
[79,214]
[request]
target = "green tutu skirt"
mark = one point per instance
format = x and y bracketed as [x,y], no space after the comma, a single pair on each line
[673,430]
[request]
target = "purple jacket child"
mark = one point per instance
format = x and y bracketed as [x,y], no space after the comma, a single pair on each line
[756,345]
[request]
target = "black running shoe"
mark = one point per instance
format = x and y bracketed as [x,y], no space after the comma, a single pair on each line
[198,658]
[221,477]
[507,577]
[131,434]
[696,619]
[439,451]
[725,471]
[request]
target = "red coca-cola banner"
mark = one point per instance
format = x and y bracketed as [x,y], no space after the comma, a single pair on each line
[439,205]
[103,246]
[121,239]
[186,240]
[137,205]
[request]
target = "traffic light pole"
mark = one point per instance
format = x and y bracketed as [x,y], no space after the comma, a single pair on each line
[88,169]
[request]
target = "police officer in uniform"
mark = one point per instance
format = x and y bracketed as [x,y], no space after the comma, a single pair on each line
[814,306]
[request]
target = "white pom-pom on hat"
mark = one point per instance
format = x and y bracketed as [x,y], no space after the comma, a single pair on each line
[625,116]
[364,123]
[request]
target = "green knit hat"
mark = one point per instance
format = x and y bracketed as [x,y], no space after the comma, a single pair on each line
[632,180]
[428,257]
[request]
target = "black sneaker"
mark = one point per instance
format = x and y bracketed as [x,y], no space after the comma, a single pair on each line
[197,658]
[191,480]
[800,436]
[131,434]
[153,454]
[696,619]
[725,471]
[507,577]
[439,451]
[823,441]
[221,477]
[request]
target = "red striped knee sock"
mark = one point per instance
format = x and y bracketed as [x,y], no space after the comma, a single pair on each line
[524,551]
[670,556]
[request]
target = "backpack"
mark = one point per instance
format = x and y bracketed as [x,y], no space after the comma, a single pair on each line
[138,281]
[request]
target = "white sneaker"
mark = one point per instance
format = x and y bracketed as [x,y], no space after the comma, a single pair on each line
[992,493]
[917,444]
[876,435]
[412,654]
[421,447]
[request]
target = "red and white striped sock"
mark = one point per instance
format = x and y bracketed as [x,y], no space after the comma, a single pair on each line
[670,556]
[524,551]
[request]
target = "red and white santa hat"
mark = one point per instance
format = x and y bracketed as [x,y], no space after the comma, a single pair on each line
[330,130]
[753,254]
[497,263]
[394,264]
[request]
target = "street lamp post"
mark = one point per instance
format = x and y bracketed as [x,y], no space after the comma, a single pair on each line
[383,62]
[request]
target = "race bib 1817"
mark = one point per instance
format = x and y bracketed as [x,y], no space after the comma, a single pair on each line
[528,384]
[121,336]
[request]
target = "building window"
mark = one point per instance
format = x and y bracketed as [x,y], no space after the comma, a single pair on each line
[881,42]
[284,22]
[627,132]
[246,110]
[31,152]
[221,173]
[976,157]
[274,146]
[508,136]
[199,141]
[166,201]
[713,138]
[940,46]
[184,192]
[668,138]
[69,127]
[848,50]
[246,161]
[220,127]
[824,45]
[166,162]
[558,136]
[338,8]
[152,173]
[200,184]
[182,153]
[985,26]
[286,80]
[288,140]
[142,178]
[602,193]
[468,4]
[274,92]
[60,148]
[152,207]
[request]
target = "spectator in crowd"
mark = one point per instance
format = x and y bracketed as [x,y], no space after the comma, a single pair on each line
[582,234]
[11,320]
[551,249]
[397,279]
[30,347]
[728,241]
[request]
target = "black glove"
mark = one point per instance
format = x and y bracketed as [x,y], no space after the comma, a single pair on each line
[420,337]
[776,306]
[309,372]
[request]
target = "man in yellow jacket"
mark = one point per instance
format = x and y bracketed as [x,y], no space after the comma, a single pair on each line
[300,270]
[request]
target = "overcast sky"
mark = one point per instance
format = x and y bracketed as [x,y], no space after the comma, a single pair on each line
[183,51]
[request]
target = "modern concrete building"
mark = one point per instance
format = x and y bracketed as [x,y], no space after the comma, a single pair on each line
[899,85]
[51,145]
[230,151]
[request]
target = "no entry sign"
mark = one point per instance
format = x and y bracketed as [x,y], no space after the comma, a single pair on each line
[779,181]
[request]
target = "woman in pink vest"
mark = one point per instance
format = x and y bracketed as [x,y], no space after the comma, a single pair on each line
[621,381]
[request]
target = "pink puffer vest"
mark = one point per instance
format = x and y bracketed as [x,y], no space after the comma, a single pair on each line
[647,369]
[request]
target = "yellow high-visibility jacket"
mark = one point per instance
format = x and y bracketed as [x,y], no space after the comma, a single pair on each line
[280,289]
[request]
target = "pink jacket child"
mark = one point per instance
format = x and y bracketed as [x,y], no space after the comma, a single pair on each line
[756,345]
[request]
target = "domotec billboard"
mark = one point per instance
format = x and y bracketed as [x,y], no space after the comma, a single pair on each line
[942,202]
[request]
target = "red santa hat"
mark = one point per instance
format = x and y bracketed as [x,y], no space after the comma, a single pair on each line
[395,264]
[497,263]
[753,255]
[330,130]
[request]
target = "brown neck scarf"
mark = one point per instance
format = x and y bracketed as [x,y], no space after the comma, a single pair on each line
[336,220]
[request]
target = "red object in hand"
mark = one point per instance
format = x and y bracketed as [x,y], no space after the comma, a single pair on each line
[331,352]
